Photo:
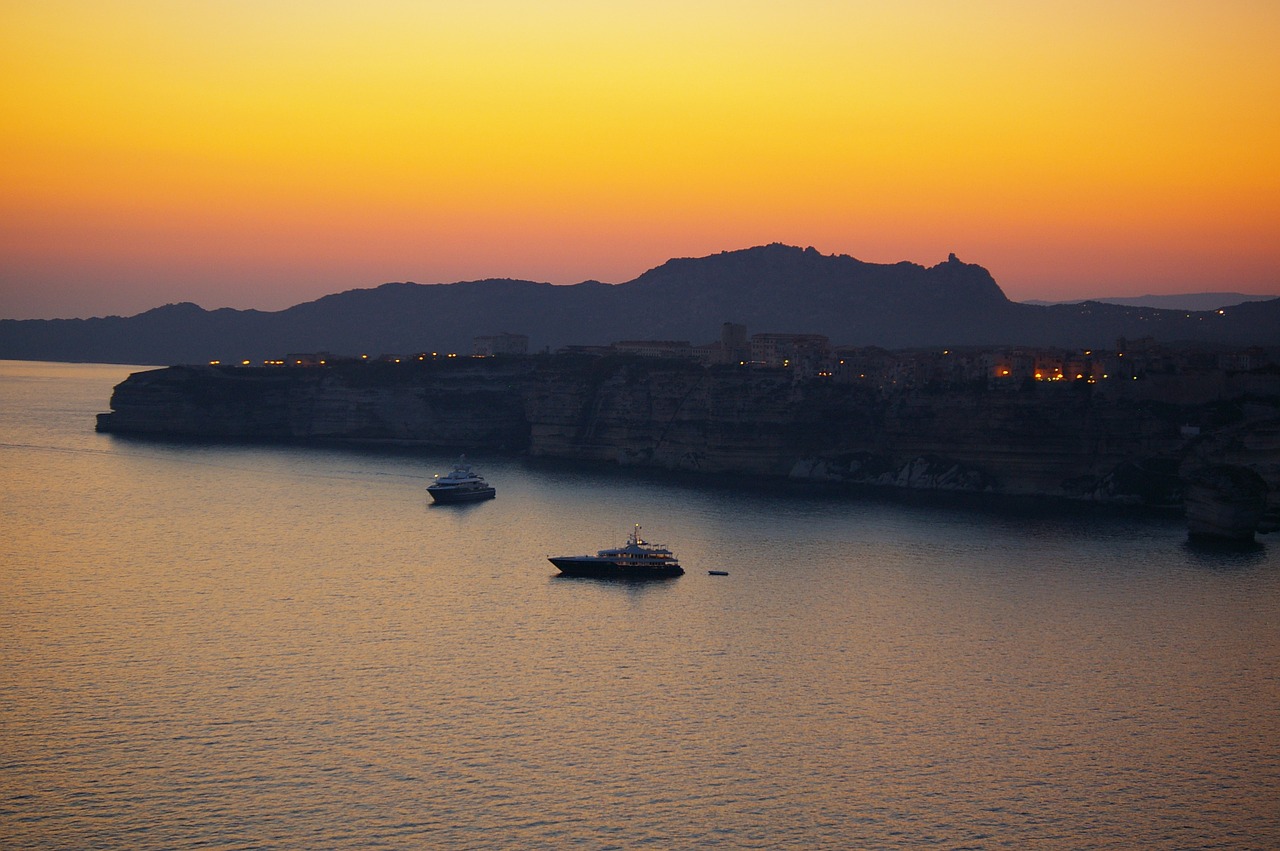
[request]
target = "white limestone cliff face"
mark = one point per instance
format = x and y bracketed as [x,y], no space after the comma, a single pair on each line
[440,409]
[1224,502]
[1066,442]
[682,419]
[1223,470]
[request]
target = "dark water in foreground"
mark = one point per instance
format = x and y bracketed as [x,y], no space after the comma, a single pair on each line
[272,647]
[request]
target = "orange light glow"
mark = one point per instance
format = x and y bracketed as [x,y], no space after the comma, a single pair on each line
[246,155]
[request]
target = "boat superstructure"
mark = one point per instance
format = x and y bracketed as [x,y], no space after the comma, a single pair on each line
[636,559]
[461,484]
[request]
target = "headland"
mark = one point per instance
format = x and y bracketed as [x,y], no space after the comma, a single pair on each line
[1081,426]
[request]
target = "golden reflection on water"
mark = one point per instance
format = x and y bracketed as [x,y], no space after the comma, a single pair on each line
[263,646]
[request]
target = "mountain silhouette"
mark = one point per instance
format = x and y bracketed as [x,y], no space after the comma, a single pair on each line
[1178,301]
[774,288]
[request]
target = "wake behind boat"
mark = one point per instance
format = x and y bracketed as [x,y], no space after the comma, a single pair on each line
[461,484]
[637,559]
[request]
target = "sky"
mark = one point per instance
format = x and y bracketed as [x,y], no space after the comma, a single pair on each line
[258,154]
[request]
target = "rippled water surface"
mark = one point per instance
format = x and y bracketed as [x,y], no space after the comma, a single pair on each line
[213,646]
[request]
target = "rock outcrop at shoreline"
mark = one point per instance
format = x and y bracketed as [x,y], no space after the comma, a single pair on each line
[1073,441]
[1223,502]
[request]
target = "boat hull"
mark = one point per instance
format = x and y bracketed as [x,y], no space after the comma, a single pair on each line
[606,569]
[448,496]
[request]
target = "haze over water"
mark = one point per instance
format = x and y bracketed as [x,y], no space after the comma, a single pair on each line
[233,647]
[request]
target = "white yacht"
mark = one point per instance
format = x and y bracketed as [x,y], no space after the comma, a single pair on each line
[637,559]
[461,484]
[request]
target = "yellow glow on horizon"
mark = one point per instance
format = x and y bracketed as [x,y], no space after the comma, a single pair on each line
[289,133]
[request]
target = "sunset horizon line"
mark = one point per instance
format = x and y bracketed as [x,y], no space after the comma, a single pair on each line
[1226,289]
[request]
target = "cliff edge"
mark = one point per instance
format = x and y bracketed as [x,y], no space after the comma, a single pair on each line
[1067,440]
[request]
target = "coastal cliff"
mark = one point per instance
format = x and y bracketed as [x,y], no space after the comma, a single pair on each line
[1129,444]
[371,402]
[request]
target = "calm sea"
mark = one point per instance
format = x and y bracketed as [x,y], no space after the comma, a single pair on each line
[235,647]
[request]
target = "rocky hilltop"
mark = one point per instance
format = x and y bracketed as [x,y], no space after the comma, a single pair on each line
[1128,444]
[777,288]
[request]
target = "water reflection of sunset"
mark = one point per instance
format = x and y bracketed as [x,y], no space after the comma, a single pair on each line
[273,645]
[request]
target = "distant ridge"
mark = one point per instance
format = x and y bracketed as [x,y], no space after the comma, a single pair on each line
[1180,301]
[776,288]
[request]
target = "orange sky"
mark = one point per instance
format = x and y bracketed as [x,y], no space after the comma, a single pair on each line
[233,155]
